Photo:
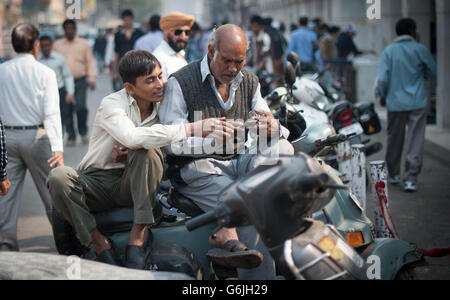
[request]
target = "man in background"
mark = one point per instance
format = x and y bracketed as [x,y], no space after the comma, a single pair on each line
[153,38]
[57,63]
[29,108]
[79,57]
[170,53]
[124,40]
[404,67]
[304,42]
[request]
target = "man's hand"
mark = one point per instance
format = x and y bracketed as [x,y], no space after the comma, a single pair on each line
[91,84]
[267,123]
[383,102]
[119,154]
[70,98]
[4,187]
[57,160]
[217,128]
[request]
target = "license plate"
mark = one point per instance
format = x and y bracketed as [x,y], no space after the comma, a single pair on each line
[355,128]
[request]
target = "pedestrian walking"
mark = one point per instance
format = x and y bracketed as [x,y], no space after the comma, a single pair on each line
[100,50]
[124,41]
[66,86]
[153,38]
[79,57]
[346,45]
[304,42]
[404,67]
[197,44]
[260,57]
[29,108]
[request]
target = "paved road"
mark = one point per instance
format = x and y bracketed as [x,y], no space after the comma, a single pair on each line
[421,218]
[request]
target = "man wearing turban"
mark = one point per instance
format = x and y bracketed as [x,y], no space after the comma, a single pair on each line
[170,53]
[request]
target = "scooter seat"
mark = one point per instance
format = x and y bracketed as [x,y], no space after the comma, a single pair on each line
[116,220]
[183,204]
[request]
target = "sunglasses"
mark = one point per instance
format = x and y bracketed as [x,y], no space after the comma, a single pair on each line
[179,32]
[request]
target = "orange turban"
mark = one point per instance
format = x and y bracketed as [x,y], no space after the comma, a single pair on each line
[174,21]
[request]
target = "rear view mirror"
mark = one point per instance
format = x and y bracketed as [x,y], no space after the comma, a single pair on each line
[290,75]
[295,61]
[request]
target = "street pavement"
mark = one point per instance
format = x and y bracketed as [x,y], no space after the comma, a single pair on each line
[421,218]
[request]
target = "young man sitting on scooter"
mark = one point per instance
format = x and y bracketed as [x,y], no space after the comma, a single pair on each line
[125,120]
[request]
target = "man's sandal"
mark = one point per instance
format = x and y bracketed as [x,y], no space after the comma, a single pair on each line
[234,254]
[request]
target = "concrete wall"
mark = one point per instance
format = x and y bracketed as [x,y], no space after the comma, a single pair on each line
[443,61]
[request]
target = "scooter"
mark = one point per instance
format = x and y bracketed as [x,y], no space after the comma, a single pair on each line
[311,231]
[347,118]
[178,250]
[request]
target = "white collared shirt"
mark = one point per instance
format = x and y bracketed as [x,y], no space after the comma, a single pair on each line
[173,109]
[57,63]
[118,122]
[29,96]
[169,59]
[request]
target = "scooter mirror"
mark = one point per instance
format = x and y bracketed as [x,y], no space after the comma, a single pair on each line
[290,75]
[296,63]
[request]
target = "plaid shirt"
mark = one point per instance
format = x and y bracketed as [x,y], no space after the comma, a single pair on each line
[3,154]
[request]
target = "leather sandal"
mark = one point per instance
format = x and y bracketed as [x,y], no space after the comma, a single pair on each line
[234,254]
[136,257]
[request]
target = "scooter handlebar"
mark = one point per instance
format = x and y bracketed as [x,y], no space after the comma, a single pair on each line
[202,220]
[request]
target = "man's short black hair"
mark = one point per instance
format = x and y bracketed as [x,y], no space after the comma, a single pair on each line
[154,22]
[46,38]
[127,13]
[304,21]
[257,19]
[405,26]
[69,22]
[137,63]
[24,37]
[334,29]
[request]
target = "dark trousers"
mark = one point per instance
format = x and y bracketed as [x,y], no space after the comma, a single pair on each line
[79,107]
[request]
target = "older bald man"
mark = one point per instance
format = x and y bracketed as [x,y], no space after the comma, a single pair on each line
[219,86]
[170,53]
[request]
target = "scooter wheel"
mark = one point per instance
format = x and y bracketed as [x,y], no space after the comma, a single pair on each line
[406,274]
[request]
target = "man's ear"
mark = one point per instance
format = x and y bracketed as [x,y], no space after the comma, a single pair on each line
[130,88]
[211,52]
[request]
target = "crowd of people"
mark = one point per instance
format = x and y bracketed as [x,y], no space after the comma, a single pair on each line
[162,79]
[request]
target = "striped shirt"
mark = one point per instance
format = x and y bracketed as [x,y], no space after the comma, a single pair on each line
[3,153]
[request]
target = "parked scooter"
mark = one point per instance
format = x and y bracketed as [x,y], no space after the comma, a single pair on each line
[336,243]
[174,248]
[177,250]
[347,118]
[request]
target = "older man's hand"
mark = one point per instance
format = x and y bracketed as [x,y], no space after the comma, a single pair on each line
[214,127]
[267,123]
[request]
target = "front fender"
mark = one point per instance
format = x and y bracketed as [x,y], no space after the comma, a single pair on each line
[393,255]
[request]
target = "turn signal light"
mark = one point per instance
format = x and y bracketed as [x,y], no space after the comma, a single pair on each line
[355,238]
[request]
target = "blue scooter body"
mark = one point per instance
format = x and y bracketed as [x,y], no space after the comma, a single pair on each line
[346,215]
